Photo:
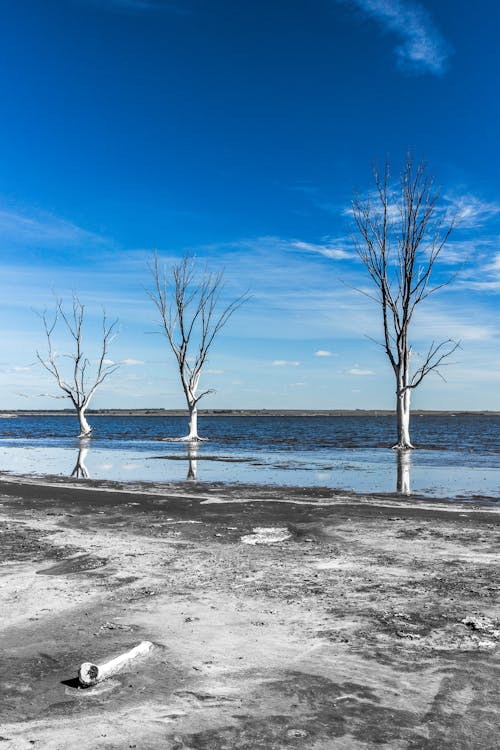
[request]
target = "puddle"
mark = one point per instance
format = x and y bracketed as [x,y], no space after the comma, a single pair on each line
[449,473]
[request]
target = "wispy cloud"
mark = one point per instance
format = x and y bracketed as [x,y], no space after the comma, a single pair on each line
[285,363]
[422,49]
[466,210]
[438,321]
[359,372]
[469,211]
[484,277]
[323,353]
[336,249]
[42,229]
[9,369]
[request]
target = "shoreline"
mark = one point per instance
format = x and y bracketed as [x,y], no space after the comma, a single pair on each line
[223,492]
[371,621]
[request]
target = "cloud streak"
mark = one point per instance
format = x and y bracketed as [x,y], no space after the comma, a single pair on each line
[359,372]
[42,229]
[469,211]
[422,49]
[336,249]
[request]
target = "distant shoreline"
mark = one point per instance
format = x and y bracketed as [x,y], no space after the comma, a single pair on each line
[6,413]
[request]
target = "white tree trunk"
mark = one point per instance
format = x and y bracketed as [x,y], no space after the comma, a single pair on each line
[403,414]
[193,422]
[192,436]
[85,428]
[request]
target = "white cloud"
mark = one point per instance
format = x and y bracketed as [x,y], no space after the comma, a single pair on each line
[484,276]
[126,362]
[436,322]
[323,353]
[470,211]
[8,369]
[493,285]
[422,48]
[494,265]
[464,252]
[358,371]
[338,249]
[214,372]
[285,363]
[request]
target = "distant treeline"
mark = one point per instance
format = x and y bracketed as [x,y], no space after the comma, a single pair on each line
[242,413]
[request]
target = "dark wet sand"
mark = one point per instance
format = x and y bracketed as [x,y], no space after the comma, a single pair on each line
[374,624]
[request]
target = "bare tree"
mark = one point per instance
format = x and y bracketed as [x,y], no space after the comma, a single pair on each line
[403,232]
[75,380]
[192,315]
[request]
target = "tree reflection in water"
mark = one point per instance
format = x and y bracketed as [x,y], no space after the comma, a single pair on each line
[80,471]
[192,452]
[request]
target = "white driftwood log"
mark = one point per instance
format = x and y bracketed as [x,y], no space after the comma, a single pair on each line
[90,674]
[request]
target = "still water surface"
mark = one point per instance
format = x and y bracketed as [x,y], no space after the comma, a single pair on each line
[457,456]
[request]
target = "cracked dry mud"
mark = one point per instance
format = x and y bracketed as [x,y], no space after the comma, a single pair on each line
[374,624]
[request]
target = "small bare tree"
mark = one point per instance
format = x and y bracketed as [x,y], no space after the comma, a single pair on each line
[403,232]
[192,315]
[75,380]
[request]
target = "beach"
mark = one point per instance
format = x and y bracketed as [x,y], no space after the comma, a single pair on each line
[280,617]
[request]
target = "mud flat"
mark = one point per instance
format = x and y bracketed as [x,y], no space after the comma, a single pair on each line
[280,618]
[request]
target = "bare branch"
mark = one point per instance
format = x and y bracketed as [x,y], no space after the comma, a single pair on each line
[434,359]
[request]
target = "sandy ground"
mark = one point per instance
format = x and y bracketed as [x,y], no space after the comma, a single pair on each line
[350,622]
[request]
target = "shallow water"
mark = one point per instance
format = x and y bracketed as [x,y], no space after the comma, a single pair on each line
[457,456]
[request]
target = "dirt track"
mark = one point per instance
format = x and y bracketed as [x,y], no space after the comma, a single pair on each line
[374,623]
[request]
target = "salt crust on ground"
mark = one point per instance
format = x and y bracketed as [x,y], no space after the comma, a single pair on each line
[373,624]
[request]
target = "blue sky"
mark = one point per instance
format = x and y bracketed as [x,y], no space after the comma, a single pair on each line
[240,130]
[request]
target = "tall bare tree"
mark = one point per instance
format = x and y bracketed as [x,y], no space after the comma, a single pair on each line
[192,315]
[402,234]
[75,380]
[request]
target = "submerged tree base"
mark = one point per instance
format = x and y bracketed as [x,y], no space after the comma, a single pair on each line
[185,439]
[402,447]
[85,435]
